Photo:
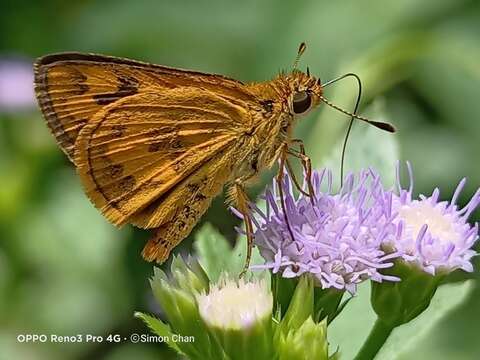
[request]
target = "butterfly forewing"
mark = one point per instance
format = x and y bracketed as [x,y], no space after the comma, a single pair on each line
[138,148]
[72,87]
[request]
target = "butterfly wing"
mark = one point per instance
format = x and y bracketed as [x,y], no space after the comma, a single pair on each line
[152,145]
[72,87]
[136,153]
[178,210]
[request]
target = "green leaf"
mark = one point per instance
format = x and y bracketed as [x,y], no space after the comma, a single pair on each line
[350,329]
[216,255]
[301,306]
[282,289]
[405,340]
[327,303]
[213,250]
[159,328]
[238,255]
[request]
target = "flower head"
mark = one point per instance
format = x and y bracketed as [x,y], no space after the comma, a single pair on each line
[433,234]
[336,237]
[236,304]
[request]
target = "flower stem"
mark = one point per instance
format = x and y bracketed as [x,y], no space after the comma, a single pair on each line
[377,337]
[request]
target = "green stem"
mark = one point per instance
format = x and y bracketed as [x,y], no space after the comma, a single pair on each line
[377,337]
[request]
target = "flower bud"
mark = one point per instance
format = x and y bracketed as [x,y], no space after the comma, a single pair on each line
[239,315]
[176,297]
[307,342]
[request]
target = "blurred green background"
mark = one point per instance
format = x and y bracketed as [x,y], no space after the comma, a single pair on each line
[65,270]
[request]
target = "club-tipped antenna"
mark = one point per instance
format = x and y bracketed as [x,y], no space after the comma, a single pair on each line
[301,50]
[380,125]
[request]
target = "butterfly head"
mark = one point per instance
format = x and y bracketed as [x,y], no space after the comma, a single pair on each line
[305,92]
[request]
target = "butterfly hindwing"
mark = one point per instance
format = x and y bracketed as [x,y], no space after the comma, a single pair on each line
[185,204]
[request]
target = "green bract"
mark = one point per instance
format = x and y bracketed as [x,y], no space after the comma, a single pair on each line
[397,303]
[304,343]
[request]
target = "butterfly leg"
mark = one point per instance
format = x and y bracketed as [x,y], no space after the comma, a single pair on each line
[307,166]
[294,178]
[279,180]
[241,201]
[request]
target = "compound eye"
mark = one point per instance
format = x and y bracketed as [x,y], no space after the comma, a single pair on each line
[301,102]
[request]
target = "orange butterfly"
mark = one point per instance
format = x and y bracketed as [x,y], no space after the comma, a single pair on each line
[154,145]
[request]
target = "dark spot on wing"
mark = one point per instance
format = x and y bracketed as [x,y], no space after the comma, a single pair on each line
[177,144]
[118,130]
[114,204]
[200,197]
[154,147]
[181,224]
[127,86]
[193,187]
[116,170]
[79,80]
[127,183]
[158,139]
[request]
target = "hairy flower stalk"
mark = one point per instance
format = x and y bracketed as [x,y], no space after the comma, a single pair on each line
[336,237]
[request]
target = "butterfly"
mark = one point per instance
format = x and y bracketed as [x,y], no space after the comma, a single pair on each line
[153,145]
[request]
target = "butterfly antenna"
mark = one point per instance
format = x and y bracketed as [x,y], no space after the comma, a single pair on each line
[301,50]
[381,125]
[378,124]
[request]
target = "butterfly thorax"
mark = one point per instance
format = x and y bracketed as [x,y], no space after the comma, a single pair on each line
[281,102]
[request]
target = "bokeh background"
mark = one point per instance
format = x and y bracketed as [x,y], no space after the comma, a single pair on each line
[65,270]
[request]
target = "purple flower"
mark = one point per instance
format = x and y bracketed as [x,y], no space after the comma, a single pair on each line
[433,234]
[336,238]
[16,85]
